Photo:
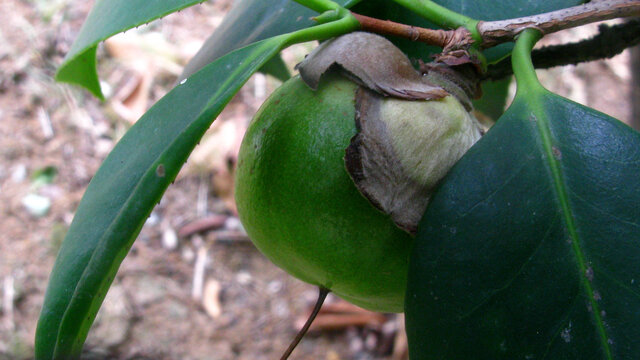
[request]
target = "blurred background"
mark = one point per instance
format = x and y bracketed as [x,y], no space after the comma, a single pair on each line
[193,285]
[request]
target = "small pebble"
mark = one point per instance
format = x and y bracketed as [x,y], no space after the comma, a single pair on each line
[188,254]
[243,277]
[169,239]
[36,205]
[19,173]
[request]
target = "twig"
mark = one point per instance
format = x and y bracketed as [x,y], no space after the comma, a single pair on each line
[7,300]
[198,273]
[203,191]
[611,41]
[441,38]
[211,222]
[496,32]
[45,123]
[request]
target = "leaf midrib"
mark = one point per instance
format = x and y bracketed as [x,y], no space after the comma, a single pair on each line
[536,101]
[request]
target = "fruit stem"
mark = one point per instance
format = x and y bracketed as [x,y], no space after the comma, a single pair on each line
[436,37]
[442,16]
[322,295]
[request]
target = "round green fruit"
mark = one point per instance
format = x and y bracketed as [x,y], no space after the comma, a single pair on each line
[301,208]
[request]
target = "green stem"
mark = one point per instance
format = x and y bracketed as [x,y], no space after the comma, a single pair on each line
[441,16]
[327,16]
[347,23]
[523,69]
[319,5]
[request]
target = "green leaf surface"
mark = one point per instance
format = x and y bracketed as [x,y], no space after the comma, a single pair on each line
[489,10]
[107,18]
[494,98]
[250,21]
[277,68]
[124,191]
[530,249]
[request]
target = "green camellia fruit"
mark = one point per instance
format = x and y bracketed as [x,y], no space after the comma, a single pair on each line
[301,208]
[326,178]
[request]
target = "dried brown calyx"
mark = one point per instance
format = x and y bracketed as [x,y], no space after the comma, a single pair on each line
[412,128]
[371,61]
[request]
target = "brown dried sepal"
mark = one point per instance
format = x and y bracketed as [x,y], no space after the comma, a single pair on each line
[372,164]
[372,61]
[402,150]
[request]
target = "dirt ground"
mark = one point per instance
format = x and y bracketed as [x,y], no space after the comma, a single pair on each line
[179,294]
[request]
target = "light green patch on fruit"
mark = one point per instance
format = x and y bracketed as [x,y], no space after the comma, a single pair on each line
[429,137]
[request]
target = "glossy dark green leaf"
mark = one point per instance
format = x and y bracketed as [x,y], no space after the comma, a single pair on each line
[250,21]
[124,191]
[499,10]
[531,247]
[107,18]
